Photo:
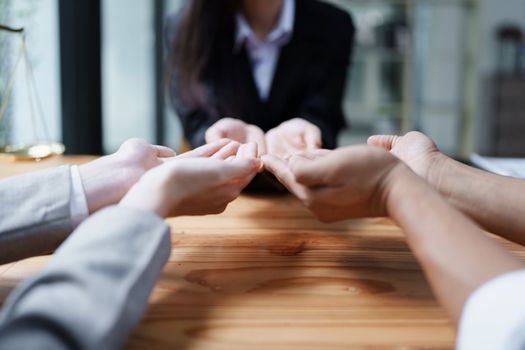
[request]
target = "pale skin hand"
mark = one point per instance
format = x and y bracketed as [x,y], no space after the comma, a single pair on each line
[107,179]
[292,137]
[200,182]
[352,182]
[495,202]
[236,130]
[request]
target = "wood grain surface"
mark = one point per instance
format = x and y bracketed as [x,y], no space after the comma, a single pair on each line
[266,275]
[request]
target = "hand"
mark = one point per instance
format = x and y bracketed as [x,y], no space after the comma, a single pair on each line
[200,182]
[293,136]
[237,130]
[107,179]
[350,182]
[417,150]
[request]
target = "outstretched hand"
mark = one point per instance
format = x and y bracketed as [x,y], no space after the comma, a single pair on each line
[292,137]
[202,181]
[350,182]
[106,180]
[237,130]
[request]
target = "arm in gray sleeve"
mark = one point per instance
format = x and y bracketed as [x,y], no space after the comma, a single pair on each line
[35,216]
[96,287]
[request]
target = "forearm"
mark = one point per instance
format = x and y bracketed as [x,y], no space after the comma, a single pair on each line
[96,287]
[456,255]
[35,216]
[105,181]
[495,202]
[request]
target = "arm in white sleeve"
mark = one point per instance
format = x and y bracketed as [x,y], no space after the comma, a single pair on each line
[494,315]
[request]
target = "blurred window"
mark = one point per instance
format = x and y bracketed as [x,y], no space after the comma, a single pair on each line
[40,20]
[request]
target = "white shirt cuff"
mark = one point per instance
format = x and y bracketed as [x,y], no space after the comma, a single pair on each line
[494,315]
[78,203]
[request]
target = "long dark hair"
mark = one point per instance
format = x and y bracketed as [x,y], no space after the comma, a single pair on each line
[197,27]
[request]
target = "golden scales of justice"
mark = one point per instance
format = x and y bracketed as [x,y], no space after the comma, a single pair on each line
[39,149]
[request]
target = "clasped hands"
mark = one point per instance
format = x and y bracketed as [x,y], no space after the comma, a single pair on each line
[345,183]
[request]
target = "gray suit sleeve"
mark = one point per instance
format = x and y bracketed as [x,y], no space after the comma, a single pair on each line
[35,217]
[95,289]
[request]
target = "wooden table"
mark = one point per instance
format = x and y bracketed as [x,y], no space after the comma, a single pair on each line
[266,275]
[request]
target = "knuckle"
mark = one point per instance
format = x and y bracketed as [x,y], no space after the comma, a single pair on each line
[132,144]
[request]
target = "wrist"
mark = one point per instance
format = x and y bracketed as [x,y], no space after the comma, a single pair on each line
[105,181]
[149,194]
[438,165]
[131,200]
[401,181]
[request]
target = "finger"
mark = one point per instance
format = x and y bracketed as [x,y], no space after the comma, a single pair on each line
[306,171]
[279,146]
[283,173]
[206,150]
[239,168]
[227,151]
[247,150]
[312,138]
[250,151]
[312,155]
[214,133]
[163,151]
[321,152]
[384,141]
[254,134]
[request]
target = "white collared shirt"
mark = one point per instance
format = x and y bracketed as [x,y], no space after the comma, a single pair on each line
[493,317]
[264,54]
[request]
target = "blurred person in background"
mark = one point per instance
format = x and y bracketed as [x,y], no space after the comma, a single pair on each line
[266,71]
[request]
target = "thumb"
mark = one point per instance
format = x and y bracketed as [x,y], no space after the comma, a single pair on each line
[214,133]
[163,151]
[312,138]
[384,141]
[254,134]
[307,171]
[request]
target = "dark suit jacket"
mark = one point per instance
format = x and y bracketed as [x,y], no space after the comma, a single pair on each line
[309,80]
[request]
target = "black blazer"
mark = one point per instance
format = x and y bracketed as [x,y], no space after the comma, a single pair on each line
[309,79]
